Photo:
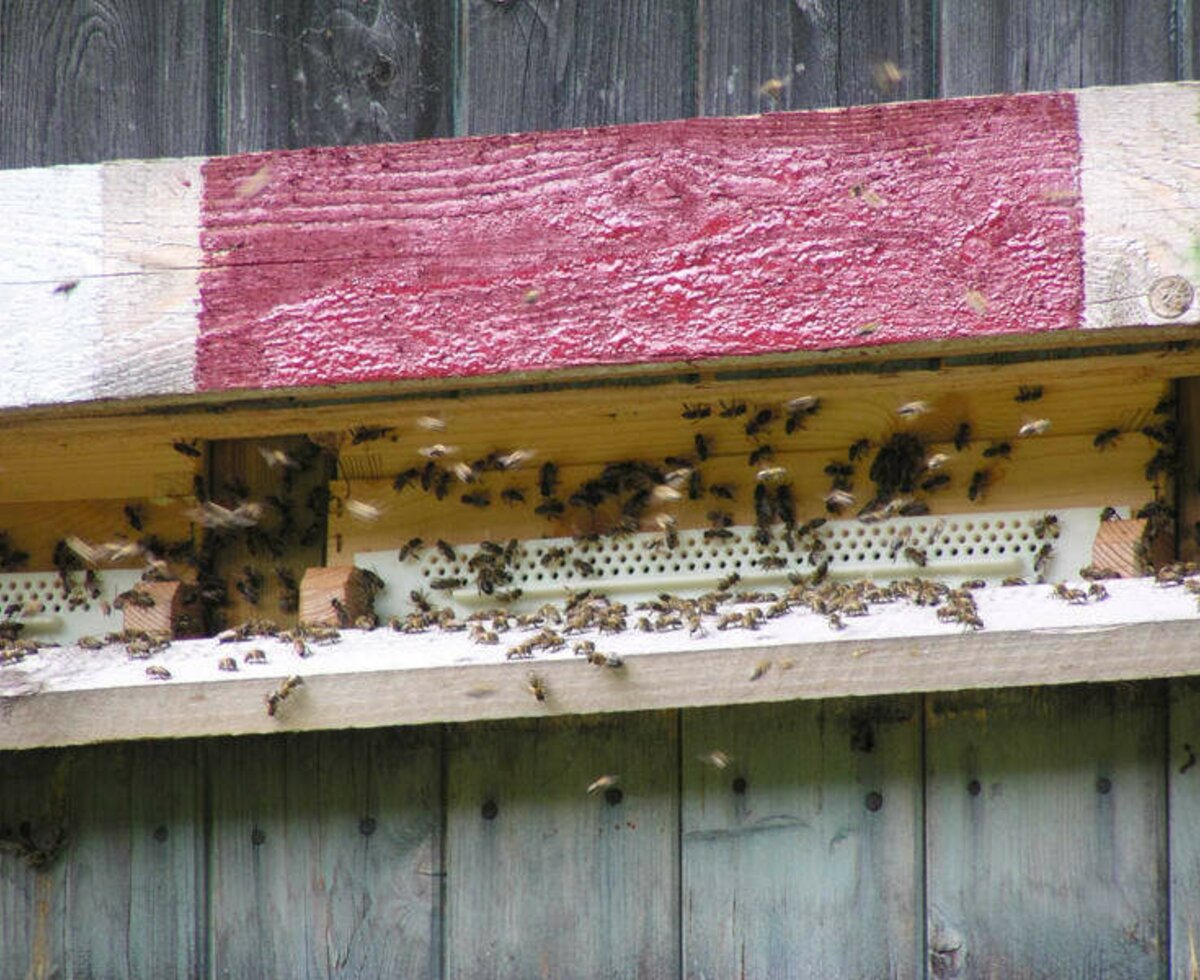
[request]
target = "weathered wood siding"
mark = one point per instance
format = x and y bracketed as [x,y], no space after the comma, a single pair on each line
[1027,833]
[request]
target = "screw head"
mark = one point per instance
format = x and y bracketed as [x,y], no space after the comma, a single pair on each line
[489,810]
[874,801]
[1171,296]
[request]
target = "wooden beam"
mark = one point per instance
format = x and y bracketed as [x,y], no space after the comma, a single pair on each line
[700,240]
[380,678]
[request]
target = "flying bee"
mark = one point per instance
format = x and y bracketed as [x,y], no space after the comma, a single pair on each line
[664,493]
[760,455]
[733,409]
[601,783]
[1001,450]
[514,460]
[1034,427]
[804,403]
[703,446]
[772,474]
[979,484]
[1106,439]
[410,549]
[1028,393]
[360,510]
[914,409]
[693,413]
[858,450]
[157,673]
[437,451]
[935,482]
[480,499]
[282,693]
[760,420]
[935,461]
[536,686]
[431,424]
[187,448]
[837,500]
[760,669]
[547,479]
[716,758]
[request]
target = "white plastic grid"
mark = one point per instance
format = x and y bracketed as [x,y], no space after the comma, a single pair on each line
[990,546]
[47,612]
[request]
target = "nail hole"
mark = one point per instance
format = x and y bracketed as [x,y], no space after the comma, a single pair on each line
[873,801]
[160,834]
[1103,784]
[489,810]
[739,785]
[974,788]
[614,795]
[257,836]
[366,826]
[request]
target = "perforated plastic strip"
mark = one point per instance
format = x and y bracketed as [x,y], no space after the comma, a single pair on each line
[37,600]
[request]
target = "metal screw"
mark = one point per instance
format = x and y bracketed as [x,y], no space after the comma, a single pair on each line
[874,801]
[489,810]
[1171,296]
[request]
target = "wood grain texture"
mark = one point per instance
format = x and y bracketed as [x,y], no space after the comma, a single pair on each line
[551,857]
[324,72]
[885,51]
[104,79]
[744,45]
[548,64]
[1045,809]
[1183,805]
[786,846]
[326,855]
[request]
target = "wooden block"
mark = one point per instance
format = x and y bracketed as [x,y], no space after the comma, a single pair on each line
[1130,548]
[322,590]
[175,610]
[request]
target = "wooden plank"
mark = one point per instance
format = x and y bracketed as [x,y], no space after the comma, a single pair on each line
[1046,832]
[1127,43]
[325,855]
[546,65]
[528,850]
[33,894]
[379,679]
[337,71]
[826,793]
[1183,805]
[761,55]
[96,80]
[886,51]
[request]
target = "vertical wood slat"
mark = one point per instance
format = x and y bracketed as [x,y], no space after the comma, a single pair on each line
[1046,832]
[550,64]
[326,855]
[325,72]
[103,79]
[1183,805]
[544,880]
[875,32]
[802,857]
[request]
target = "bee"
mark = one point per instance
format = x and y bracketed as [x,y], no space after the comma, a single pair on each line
[187,448]
[599,659]
[728,582]
[716,758]
[1013,580]
[1075,597]
[1097,592]
[760,669]
[548,479]
[762,418]
[1106,439]
[431,424]
[693,413]
[282,693]
[369,433]
[553,557]
[343,614]
[720,518]
[723,491]
[1042,558]
[480,499]
[583,567]
[1028,393]
[410,549]
[717,534]
[1046,527]
[157,673]
[809,404]
[1165,433]
[1034,427]
[227,663]
[771,474]
[464,471]
[447,583]
[915,409]
[733,409]
[447,550]
[772,562]
[437,451]
[785,504]
[837,500]
[859,449]
[979,484]
[481,634]
[1001,450]
[839,471]
[420,600]
[601,783]
[360,510]
[974,583]
[66,287]
[133,516]
[250,585]
[760,455]
[536,686]
[703,446]
[512,495]
[962,436]
[935,461]
[935,482]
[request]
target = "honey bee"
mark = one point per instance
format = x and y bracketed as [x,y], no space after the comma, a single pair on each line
[1075,597]
[998,450]
[369,433]
[733,409]
[837,500]
[601,782]
[1106,439]
[1034,427]
[962,436]
[858,450]
[979,484]
[360,510]
[447,583]
[693,413]
[1028,393]
[157,673]
[187,448]
[410,549]
[447,550]
[761,454]
[760,669]
[583,567]
[914,409]
[550,508]
[431,424]
[762,418]
[282,693]
[465,472]
[728,582]
[703,446]
[717,534]
[227,663]
[437,451]
[716,758]
[723,491]
[1013,580]
[1097,592]
[547,479]
[1046,527]
[537,687]
[512,495]
[480,499]
[935,482]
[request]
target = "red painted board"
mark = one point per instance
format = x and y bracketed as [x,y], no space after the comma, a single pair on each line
[671,241]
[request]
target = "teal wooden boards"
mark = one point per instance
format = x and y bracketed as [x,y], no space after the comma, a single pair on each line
[802,856]
[1046,825]
[544,879]
[326,855]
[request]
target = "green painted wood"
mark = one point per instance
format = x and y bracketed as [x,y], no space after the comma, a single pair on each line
[549,64]
[1183,783]
[1046,832]
[746,44]
[802,858]
[326,855]
[103,79]
[322,72]
[33,808]
[544,880]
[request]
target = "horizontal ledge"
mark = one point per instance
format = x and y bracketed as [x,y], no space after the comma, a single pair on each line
[76,698]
